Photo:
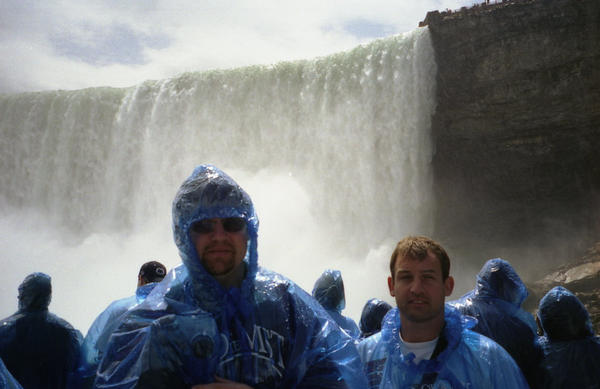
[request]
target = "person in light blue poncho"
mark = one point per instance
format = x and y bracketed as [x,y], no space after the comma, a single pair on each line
[425,343]
[219,318]
[496,304]
[371,317]
[329,292]
[7,381]
[40,349]
[96,339]
[571,350]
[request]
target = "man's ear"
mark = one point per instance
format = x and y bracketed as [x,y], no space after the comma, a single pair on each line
[449,285]
[391,286]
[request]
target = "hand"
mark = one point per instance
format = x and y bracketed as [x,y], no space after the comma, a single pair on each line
[222,383]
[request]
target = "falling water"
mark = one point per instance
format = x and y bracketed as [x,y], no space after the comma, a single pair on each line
[335,152]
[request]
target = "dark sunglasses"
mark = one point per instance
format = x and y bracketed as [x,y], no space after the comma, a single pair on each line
[230,224]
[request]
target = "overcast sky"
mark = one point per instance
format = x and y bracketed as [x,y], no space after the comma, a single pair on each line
[72,44]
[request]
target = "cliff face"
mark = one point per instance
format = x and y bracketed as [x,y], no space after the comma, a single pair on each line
[517,131]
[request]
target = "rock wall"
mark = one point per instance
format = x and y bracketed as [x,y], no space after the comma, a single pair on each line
[517,131]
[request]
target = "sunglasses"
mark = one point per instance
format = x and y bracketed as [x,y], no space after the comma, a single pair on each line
[230,224]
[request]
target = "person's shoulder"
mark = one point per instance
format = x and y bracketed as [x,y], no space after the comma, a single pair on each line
[118,306]
[59,322]
[10,320]
[477,341]
[8,327]
[371,348]
[351,325]
[270,282]
[122,301]
[370,342]
[266,276]
[483,362]
[590,344]
[175,295]
[170,295]
[56,325]
[272,288]
[484,348]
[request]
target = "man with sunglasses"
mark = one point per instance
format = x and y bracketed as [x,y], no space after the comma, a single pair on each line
[221,244]
[221,321]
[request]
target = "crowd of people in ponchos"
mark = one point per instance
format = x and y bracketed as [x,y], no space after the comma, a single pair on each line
[221,321]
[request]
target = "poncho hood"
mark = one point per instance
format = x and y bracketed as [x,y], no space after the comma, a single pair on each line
[563,317]
[210,193]
[329,291]
[35,293]
[498,279]
[372,315]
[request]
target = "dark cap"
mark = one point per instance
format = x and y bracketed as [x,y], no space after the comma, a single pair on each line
[153,271]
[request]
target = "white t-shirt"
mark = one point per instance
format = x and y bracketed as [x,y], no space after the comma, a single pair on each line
[422,350]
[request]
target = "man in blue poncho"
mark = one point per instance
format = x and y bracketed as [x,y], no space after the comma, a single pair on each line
[371,317]
[40,349]
[219,317]
[571,350]
[96,339]
[329,292]
[496,304]
[424,343]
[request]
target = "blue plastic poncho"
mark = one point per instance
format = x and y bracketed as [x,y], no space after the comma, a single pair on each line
[371,317]
[571,350]
[96,339]
[496,304]
[268,333]
[7,381]
[40,349]
[469,360]
[329,292]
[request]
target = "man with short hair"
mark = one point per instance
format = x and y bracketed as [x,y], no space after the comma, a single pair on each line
[221,321]
[97,337]
[424,343]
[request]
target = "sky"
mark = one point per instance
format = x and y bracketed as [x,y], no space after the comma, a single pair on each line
[67,44]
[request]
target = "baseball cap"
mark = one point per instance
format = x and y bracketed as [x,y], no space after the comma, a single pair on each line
[153,271]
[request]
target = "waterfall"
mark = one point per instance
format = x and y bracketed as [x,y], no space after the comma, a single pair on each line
[338,146]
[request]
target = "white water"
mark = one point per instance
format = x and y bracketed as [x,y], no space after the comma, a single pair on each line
[335,153]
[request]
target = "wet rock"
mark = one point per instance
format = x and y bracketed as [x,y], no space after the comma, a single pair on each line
[581,277]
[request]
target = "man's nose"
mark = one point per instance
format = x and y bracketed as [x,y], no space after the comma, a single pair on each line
[218,230]
[417,286]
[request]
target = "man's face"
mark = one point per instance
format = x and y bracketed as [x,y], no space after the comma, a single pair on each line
[419,289]
[220,243]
